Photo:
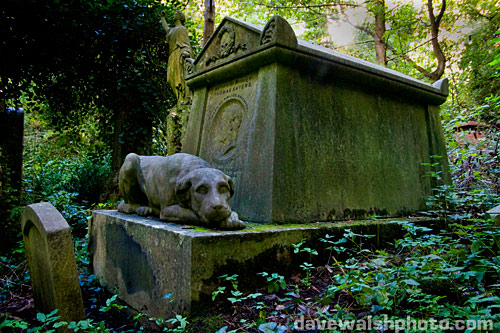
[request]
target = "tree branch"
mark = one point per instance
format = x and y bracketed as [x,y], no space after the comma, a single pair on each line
[308,6]
[422,70]
[435,22]
[413,49]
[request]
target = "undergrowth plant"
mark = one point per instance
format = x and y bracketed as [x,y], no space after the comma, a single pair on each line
[71,184]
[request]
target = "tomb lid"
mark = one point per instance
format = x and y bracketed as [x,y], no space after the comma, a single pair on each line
[237,47]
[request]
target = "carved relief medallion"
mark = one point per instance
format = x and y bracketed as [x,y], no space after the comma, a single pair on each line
[225,127]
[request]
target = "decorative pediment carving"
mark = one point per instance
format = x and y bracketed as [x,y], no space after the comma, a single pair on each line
[227,43]
[278,31]
[233,38]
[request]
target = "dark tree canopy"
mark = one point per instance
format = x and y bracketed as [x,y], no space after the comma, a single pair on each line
[104,57]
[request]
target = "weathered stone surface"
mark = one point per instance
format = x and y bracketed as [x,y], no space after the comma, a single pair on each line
[11,166]
[142,259]
[495,214]
[177,188]
[51,260]
[180,62]
[309,134]
[11,149]
[179,56]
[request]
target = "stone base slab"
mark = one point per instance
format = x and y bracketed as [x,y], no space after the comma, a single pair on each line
[143,260]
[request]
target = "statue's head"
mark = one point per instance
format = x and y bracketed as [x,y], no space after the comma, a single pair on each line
[178,15]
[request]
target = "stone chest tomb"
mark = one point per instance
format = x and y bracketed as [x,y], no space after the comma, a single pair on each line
[309,134]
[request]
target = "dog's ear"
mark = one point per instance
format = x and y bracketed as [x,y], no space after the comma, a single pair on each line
[183,191]
[231,184]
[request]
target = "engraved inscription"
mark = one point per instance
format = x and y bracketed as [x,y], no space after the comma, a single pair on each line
[232,88]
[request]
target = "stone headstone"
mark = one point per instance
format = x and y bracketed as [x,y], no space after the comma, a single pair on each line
[310,134]
[11,148]
[11,166]
[51,260]
[495,214]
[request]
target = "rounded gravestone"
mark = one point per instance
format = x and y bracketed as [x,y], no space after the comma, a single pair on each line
[51,260]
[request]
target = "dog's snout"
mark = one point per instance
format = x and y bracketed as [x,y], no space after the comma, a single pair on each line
[218,207]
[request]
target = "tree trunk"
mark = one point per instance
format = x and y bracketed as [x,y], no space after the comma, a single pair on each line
[208,29]
[380,47]
[435,22]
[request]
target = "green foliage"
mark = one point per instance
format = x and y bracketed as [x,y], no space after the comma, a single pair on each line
[307,267]
[48,323]
[180,322]
[475,165]
[88,63]
[90,69]
[272,327]
[169,129]
[236,295]
[477,87]
[98,48]
[9,205]
[70,183]
[275,282]
[81,178]
[13,324]
[110,304]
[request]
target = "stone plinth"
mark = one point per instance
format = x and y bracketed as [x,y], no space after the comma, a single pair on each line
[309,134]
[143,259]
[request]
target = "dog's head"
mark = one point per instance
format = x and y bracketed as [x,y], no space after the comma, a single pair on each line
[207,192]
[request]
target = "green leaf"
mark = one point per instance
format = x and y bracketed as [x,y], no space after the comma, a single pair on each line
[83,324]
[481,299]
[60,324]
[411,282]
[271,327]
[111,300]
[495,61]
[52,313]
[41,317]
[432,257]
[476,246]
[451,269]
[223,329]
[236,293]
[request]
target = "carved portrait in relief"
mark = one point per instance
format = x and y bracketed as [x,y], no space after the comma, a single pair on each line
[225,128]
[268,33]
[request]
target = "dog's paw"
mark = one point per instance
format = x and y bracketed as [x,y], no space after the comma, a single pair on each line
[144,211]
[125,208]
[232,223]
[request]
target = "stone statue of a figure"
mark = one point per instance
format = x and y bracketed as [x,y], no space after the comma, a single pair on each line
[180,56]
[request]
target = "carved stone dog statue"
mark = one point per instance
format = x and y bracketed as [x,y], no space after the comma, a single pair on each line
[179,188]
